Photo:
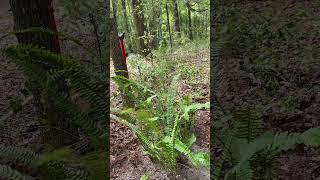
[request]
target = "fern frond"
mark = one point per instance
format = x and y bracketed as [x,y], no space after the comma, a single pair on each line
[50,32]
[36,62]
[187,110]
[80,118]
[249,124]
[7,172]
[76,174]
[311,137]
[197,159]
[146,142]
[20,155]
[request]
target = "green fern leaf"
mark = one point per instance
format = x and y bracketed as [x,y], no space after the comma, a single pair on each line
[7,173]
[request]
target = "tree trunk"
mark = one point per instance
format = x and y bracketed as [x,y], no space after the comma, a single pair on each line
[125,15]
[126,21]
[189,20]
[39,13]
[138,19]
[35,13]
[176,17]
[168,25]
[154,22]
[120,67]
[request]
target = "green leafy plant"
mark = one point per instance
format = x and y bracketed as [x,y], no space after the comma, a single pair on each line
[144,177]
[59,164]
[162,123]
[91,88]
[85,87]
[248,152]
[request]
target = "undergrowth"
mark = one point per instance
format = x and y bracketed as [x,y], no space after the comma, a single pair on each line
[263,56]
[85,87]
[160,118]
[248,151]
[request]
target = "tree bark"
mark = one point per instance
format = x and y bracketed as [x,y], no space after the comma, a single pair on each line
[126,21]
[154,22]
[39,13]
[125,15]
[120,67]
[34,13]
[168,25]
[189,20]
[176,17]
[138,19]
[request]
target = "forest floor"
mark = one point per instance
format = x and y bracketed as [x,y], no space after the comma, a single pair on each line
[285,92]
[128,160]
[17,129]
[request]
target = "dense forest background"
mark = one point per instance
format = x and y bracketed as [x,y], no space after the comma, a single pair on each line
[150,24]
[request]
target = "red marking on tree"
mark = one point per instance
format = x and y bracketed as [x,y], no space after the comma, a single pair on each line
[123,52]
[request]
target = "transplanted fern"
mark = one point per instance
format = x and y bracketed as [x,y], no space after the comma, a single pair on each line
[248,152]
[159,121]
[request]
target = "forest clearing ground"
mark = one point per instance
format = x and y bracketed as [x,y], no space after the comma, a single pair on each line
[127,158]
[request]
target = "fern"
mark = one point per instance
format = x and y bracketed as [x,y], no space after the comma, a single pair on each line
[249,124]
[34,63]
[197,159]
[53,165]
[248,155]
[7,173]
[156,121]
[45,68]
[50,32]
[19,155]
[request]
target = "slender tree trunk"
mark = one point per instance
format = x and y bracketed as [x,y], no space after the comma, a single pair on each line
[114,12]
[168,25]
[39,13]
[125,15]
[126,21]
[95,28]
[138,19]
[189,20]
[154,22]
[160,29]
[176,17]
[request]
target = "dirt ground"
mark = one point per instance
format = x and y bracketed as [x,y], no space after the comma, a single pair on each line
[11,82]
[127,158]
